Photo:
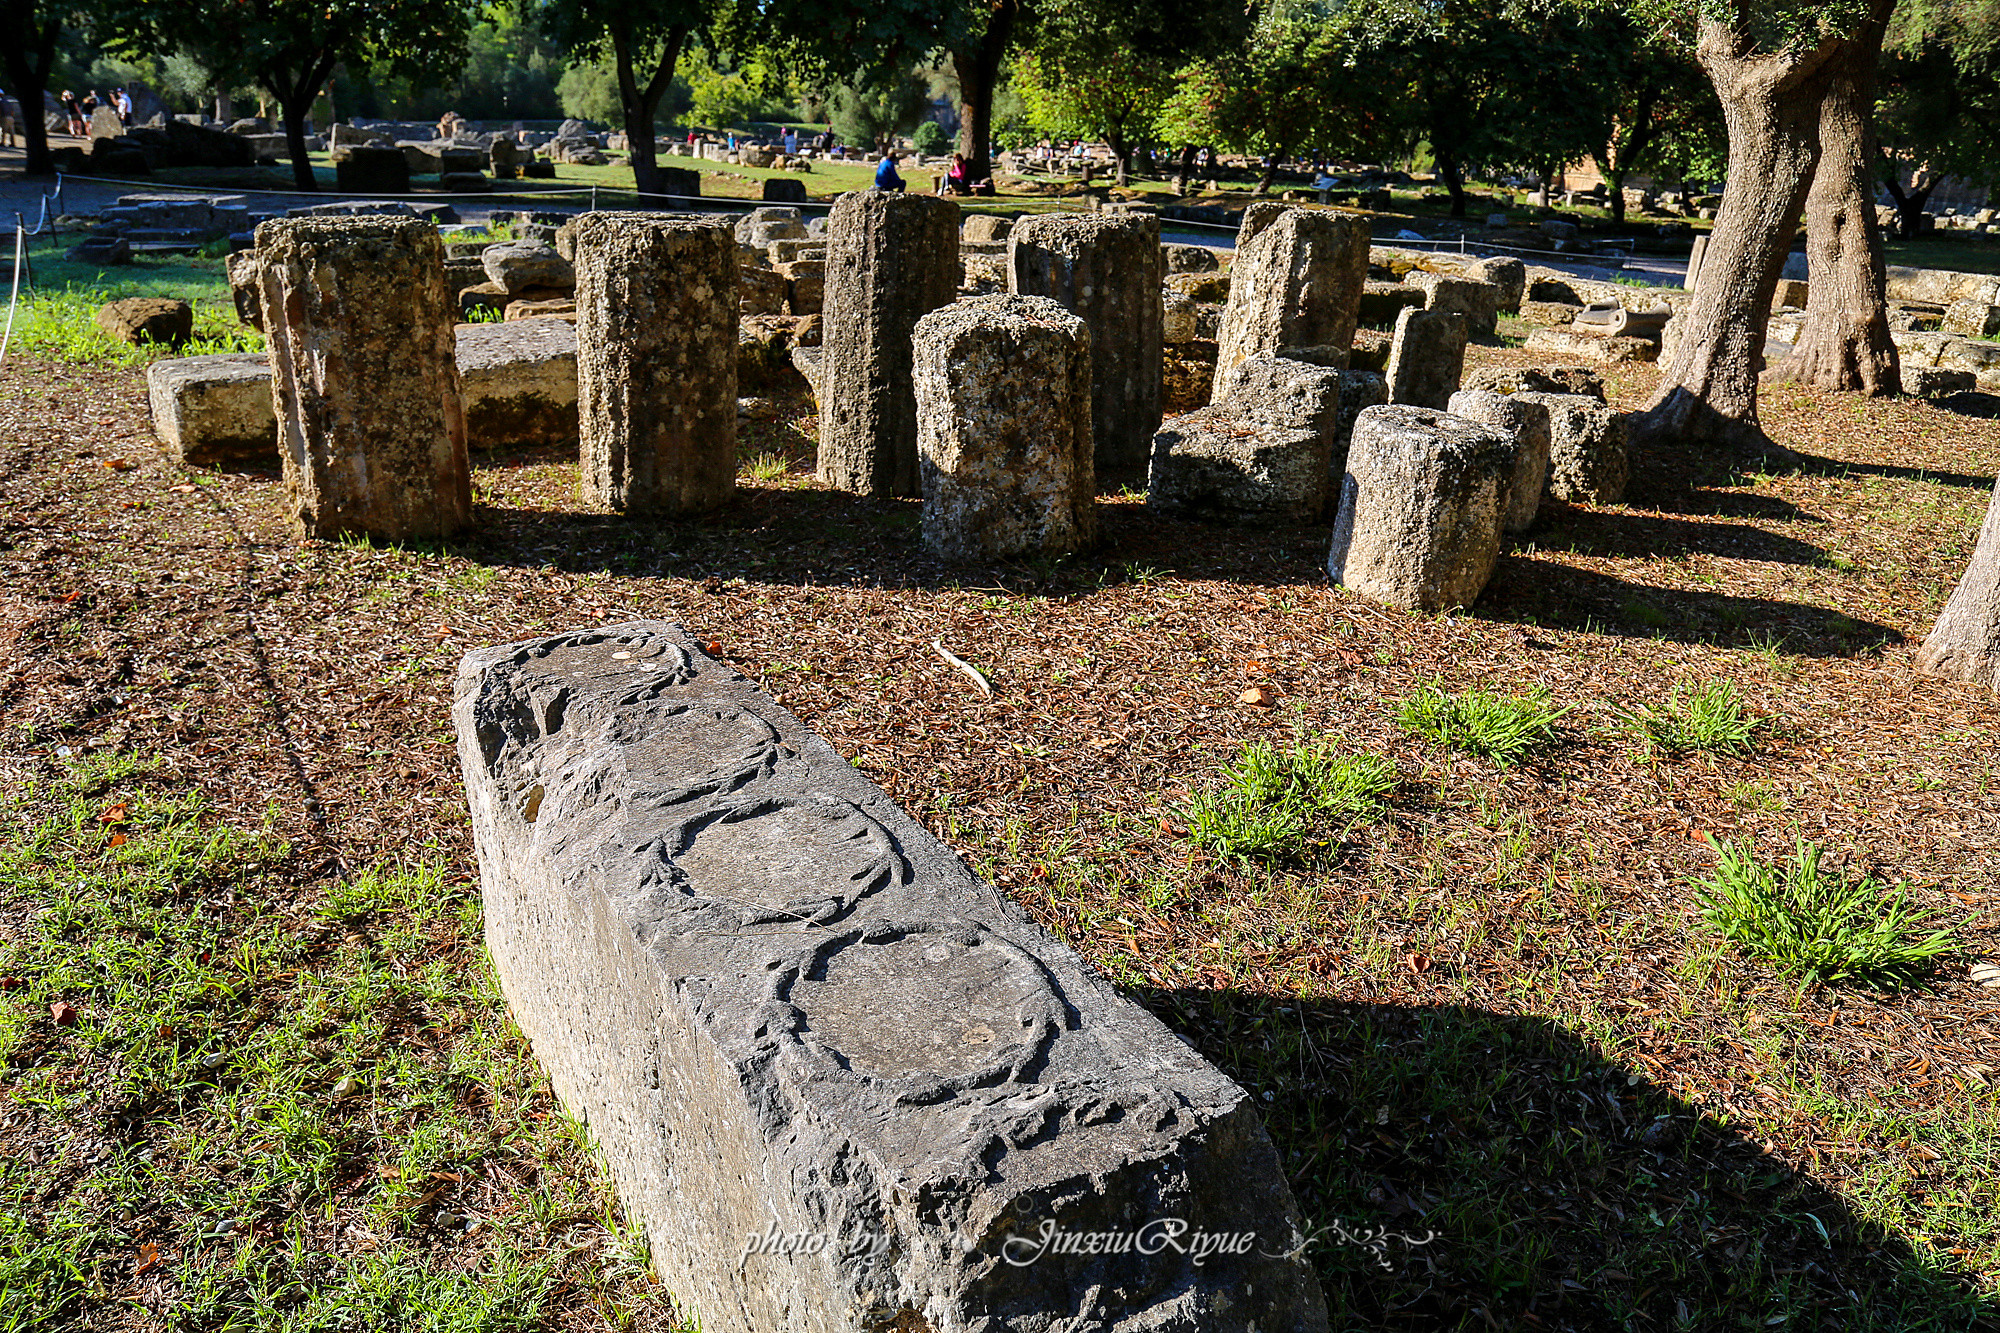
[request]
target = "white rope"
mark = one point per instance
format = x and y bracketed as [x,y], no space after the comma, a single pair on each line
[13,301]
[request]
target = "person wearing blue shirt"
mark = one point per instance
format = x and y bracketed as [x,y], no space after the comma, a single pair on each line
[885,175]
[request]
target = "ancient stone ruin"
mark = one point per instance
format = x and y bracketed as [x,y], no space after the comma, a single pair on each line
[1003,388]
[656,362]
[841,1083]
[1106,268]
[1260,454]
[891,259]
[1297,282]
[364,382]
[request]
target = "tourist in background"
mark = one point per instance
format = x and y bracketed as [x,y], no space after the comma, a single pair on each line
[886,176]
[78,126]
[124,105]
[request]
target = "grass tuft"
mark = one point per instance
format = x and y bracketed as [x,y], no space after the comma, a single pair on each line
[1814,921]
[1499,727]
[1707,717]
[1284,803]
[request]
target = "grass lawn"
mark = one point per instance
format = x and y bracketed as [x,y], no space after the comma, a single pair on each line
[1446,894]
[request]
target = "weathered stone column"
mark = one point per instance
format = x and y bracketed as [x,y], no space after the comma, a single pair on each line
[364,381]
[1297,282]
[1427,358]
[1004,428]
[1105,268]
[1420,508]
[656,318]
[1524,421]
[843,1085]
[890,260]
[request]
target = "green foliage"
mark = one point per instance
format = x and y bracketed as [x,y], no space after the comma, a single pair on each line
[863,115]
[1502,728]
[1283,803]
[930,138]
[1705,717]
[1814,921]
[1090,91]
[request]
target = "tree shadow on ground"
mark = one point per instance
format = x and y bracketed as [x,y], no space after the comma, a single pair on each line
[1641,534]
[1464,1169]
[830,538]
[1541,592]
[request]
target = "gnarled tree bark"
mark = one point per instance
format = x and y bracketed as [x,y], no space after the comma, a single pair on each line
[1965,643]
[1845,345]
[1771,104]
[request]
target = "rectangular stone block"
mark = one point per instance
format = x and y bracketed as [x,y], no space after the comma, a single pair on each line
[210,410]
[518,380]
[840,1082]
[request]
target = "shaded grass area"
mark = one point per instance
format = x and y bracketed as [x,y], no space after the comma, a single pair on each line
[241,1093]
[56,318]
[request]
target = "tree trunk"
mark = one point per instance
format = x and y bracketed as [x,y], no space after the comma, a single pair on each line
[1454,181]
[1965,643]
[1185,171]
[1910,204]
[1271,168]
[1614,184]
[29,54]
[1770,102]
[977,62]
[1845,344]
[1116,142]
[638,103]
[225,108]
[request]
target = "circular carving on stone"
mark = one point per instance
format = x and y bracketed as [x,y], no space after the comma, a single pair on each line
[647,662]
[696,748]
[926,1009]
[781,859]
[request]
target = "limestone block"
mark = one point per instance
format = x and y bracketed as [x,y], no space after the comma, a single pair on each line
[760,291]
[1418,523]
[212,411]
[1177,320]
[242,270]
[775,224]
[1972,317]
[1477,300]
[891,259]
[805,285]
[1587,460]
[1202,288]
[1791,294]
[784,190]
[138,320]
[984,228]
[1296,283]
[1427,358]
[1525,423]
[1382,302]
[786,1010]
[520,265]
[519,382]
[1190,258]
[364,382]
[1003,387]
[1258,455]
[1359,391]
[1510,275]
[1937,382]
[1613,351]
[1537,379]
[656,300]
[1549,314]
[1105,269]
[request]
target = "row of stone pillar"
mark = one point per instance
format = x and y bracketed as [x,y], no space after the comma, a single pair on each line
[365,382]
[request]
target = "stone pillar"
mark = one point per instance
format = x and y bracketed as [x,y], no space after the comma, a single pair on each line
[1419,519]
[1297,282]
[656,316]
[890,260]
[1475,298]
[1104,268]
[1587,458]
[1427,358]
[1525,422]
[1003,388]
[364,380]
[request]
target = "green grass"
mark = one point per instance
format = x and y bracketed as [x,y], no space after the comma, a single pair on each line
[1816,921]
[1284,803]
[258,1071]
[1704,717]
[1499,727]
[56,319]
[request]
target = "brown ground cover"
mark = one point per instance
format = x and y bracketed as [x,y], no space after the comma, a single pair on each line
[1519,1083]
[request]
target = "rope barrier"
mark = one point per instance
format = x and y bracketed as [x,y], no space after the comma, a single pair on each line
[14,300]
